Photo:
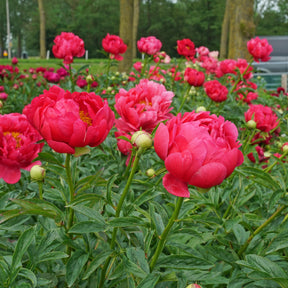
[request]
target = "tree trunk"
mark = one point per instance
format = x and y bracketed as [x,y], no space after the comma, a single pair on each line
[42,29]
[126,33]
[241,28]
[225,32]
[135,27]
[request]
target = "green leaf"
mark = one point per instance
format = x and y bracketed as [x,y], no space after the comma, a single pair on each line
[22,245]
[89,212]
[75,265]
[87,227]
[28,274]
[52,256]
[110,184]
[91,180]
[45,156]
[137,256]
[149,281]
[96,262]
[126,221]
[259,176]
[134,269]
[240,233]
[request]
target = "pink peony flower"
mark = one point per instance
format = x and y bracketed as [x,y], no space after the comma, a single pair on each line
[68,120]
[143,106]
[51,77]
[186,48]
[3,96]
[198,149]
[162,57]
[114,45]
[260,49]
[149,45]
[14,61]
[67,46]
[18,147]
[216,91]
[194,77]
[264,117]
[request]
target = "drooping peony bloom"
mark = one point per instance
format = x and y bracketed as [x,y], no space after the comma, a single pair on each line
[143,106]
[186,48]
[149,45]
[68,120]
[198,149]
[194,77]
[67,46]
[18,147]
[260,49]
[264,117]
[216,91]
[114,45]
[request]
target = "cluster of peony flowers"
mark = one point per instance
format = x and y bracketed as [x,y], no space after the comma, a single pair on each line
[70,120]
[18,146]
[198,149]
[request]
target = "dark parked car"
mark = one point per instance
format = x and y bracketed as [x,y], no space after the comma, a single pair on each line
[279,56]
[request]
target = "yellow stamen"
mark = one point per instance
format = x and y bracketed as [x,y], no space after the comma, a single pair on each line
[84,116]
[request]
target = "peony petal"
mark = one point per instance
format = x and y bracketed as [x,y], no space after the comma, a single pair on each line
[161,141]
[60,147]
[209,175]
[10,175]
[175,187]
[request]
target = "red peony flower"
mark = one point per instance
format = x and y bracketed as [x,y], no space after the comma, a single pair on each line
[68,120]
[3,96]
[67,45]
[216,91]
[260,49]
[186,48]
[143,106]
[264,117]
[198,149]
[51,77]
[194,77]
[18,147]
[114,45]
[149,45]
[14,61]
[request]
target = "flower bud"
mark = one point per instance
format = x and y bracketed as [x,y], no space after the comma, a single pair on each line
[200,109]
[251,124]
[89,79]
[193,286]
[142,139]
[285,147]
[79,151]
[1,104]
[150,172]
[37,173]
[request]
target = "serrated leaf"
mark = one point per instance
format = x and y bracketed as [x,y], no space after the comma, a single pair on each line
[96,262]
[22,245]
[87,227]
[75,265]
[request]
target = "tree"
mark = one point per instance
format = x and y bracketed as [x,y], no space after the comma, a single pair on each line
[126,33]
[237,28]
[42,29]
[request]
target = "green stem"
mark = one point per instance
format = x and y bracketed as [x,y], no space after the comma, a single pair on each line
[248,140]
[272,165]
[165,233]
[40,185]
[71,193]
[117,214]
[184,99]
[71,79]
[260,228]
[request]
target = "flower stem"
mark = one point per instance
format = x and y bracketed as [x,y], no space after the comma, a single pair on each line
[40,185]
[71,78]
[117,214]
[165,233]
[184,98]
[260,228]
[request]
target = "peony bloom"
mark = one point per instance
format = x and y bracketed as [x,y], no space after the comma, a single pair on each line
[2,89]
[3,96]
[149,45]
[14,61]
[68,120]
[18,147]
[162,57]
[260,49]
[186,48]
[216,91]
[143,106]
[198,149]
[67,46]
[244,92]
[264,117]
[114,45]
[51,77]
[194,77]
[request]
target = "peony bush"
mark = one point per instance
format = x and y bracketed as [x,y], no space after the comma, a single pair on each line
[171,175]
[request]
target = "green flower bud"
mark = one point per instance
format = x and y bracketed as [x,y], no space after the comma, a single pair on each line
[37,173]
[150,172]
[193,286]
[142,139]
[89,79]
[251,124]
[201,109]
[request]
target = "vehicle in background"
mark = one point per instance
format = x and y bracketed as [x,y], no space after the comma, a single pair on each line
[279,56]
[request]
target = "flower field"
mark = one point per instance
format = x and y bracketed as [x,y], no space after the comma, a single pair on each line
[171,175]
